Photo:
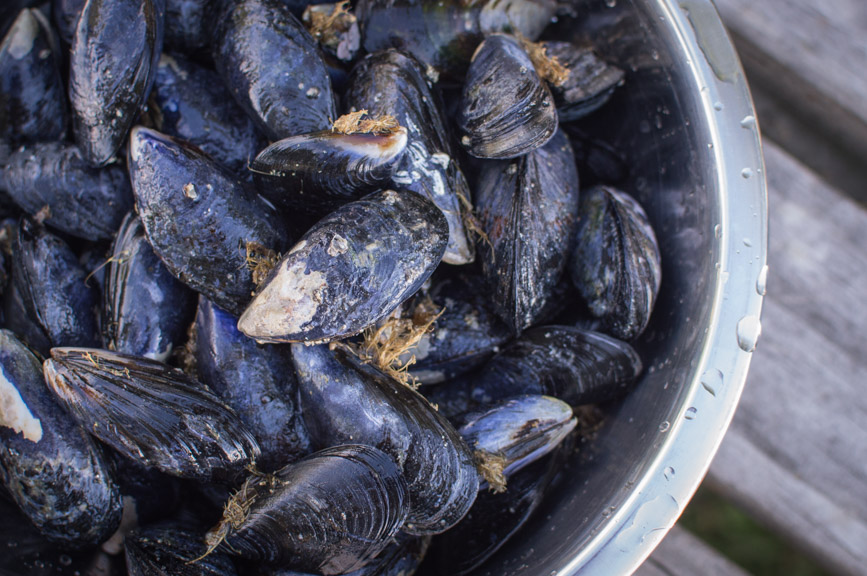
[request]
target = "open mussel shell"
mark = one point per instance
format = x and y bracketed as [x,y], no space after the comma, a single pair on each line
[328,513]
[507,110]
[345,401]
[51,284]
[616,263]
[350,270]
[573,365]
[257,381]
[444,34]
[169,551]
[193,104]
[528,208]
[151,413]
[32,96]
[291,98]
[392,83]
[50,467]
[513,433]
[114,53]
[319,172]
[82,201]
[146,310]
[589,83]
[199,218]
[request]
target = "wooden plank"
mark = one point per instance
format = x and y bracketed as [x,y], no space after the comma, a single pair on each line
[796,454]
[682,554]
[805,61]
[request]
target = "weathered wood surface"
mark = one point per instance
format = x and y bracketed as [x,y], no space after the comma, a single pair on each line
[796,453]
[682,554]
[806,63]
[795,457]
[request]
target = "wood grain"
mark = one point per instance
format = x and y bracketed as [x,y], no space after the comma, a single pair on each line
[796,453]
[682,554]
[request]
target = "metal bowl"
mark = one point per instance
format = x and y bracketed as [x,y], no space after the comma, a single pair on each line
[685,121]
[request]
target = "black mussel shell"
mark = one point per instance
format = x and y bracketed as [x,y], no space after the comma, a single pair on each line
[616,263]
[528,208]
[51,468]
[167,551]
[291,98]
[516,432]
[82,201]
[257,381]
[350,270]
[466,332]
[115,50]
[198,218]
[18,321]
[328,513]
[444,34]
[52,286]
[493,520]
[146,311]
[393,83]
[319,172]
[590,81]
[401,557]
[344,401]
[151,413]
[32,97]
[194,105]
[507,110]
[574,365]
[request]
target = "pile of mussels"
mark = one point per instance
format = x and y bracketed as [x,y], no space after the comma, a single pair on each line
[191,185]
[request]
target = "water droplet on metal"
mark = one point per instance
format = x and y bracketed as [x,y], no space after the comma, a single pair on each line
[717,106]
[668,473]
[748,122]
[665,426]
[690,413]
[762,281]
[748,243]
[748,330]
[747,172]
[717,231]
[712,380]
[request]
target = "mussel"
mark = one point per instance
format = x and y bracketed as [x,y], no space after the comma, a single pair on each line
[345,401]
[616,263]
[171,551]
[328,513]
[151,413]
[257,381]
[507,110]
[528,208]
[350,270]
[319,172]
[81,200]
[291,98]
[51,468]
[32,97]
[52,287]
[589,80]
[199,218]
[146,311]
[115,50]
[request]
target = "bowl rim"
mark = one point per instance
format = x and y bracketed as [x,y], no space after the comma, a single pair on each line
[697,428]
